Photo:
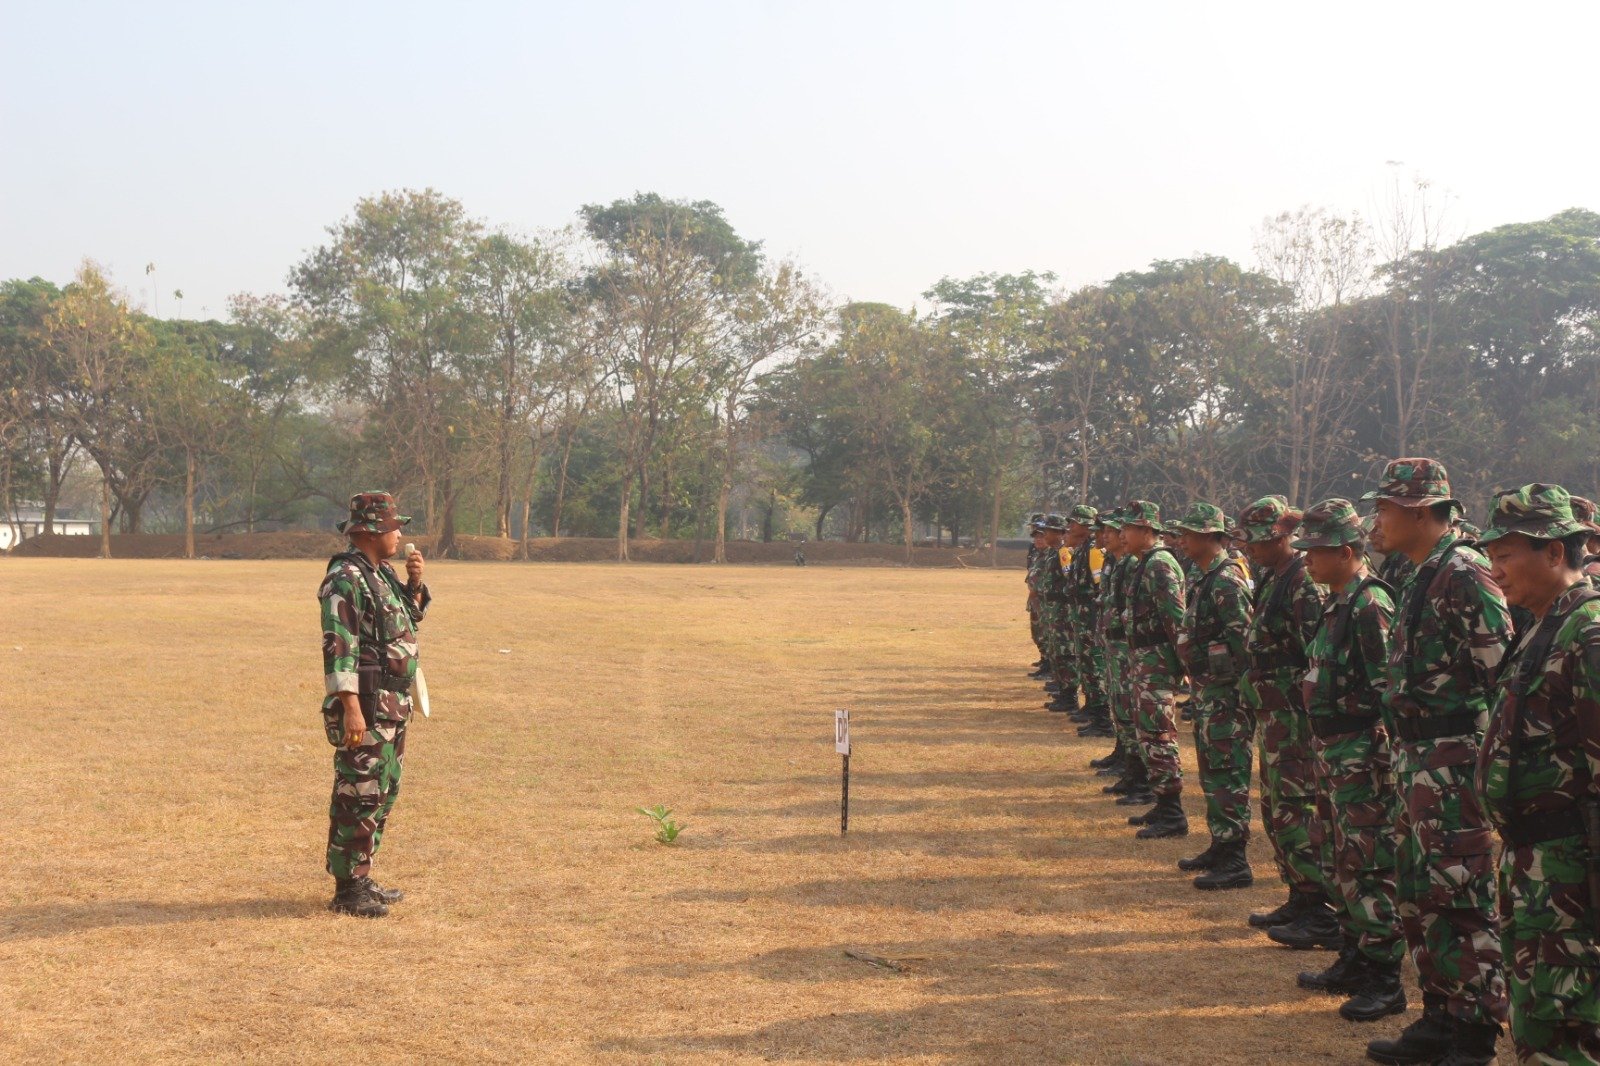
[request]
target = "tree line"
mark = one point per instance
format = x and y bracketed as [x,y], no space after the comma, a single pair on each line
[648,371]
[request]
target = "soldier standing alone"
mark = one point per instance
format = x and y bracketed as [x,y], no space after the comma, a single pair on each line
[369,659]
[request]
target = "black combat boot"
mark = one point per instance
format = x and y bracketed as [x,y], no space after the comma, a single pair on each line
[1108,760]
[1134,780]
[1042,669]
[1230,870]
[383,895]
[1284,912]
[1052,686]
[1139,796]
[350,896]
[1316,926]
[1060,705]
[1425,1040]
[1166,819]
[1203,860]
[1472,1045]
[1344,977]
[1097,729]
[1380,994]
[1113,770]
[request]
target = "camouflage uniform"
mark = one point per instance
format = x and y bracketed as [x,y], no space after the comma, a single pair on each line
[1287,608]
[1154,621]
[1031,580]
[1114,641]
[1053,618]
[366,778]
[1212,646]
[1343,693]
[1451,630]
[1536,773]
[1083,593]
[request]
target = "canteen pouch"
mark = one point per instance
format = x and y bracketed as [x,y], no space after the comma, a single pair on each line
[1220,664]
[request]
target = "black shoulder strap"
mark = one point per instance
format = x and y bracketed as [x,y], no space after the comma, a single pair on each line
[1539,646]
[1281,588]
[1424,582]
[1138,581]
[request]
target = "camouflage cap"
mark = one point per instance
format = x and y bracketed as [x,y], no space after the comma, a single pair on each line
[1329,524]
[1110,519]
[373,512]
[1051,523]
[1543,512]
[1142,513]
[1201,517]
[1037,516]
[1583,510]
[1082,514]
[1413,483]
[1268,518]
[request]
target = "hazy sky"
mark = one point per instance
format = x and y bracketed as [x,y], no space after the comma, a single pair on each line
[883,144]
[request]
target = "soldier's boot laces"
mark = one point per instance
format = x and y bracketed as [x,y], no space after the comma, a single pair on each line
[1204,860]
[1379,996]
[1316,927]
[1344,977]
[1278,915]
[1425,1040]
[1166,819]
[381,894]
[1473,1044]
[350,896]
[1230,870]
[1107,760]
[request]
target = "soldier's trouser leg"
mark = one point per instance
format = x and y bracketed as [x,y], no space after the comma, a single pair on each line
[1552,953]
[1155,719]
[1036,627]
[1061,652]
[1288,781]
[1121,716]
[1360,804]
[1444,880]
[1091,662]
[1224,740]
[366,783]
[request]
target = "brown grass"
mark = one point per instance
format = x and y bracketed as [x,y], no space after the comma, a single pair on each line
[300,544]
[164,782]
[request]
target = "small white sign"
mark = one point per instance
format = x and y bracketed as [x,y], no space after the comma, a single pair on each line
[841,732]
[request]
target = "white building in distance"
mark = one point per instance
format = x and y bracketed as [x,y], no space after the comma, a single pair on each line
[28,522]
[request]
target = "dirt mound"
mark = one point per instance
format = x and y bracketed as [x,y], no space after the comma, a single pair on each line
[314,545]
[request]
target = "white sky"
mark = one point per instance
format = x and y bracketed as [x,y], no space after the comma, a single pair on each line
[883,144]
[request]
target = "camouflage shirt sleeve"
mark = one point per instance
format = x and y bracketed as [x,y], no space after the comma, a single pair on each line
[1165,583]
[1305,607]
[340,598]
[1477,608]
[1231,595]
[1372,618]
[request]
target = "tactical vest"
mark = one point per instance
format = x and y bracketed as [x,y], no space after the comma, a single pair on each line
[372,660]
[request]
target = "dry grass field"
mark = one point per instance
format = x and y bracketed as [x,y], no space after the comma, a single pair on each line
[163,789]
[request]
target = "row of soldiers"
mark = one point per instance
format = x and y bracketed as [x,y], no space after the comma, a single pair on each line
[1402,715]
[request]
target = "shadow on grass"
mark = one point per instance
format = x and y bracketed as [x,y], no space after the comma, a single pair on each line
[43,921]
[1025,999]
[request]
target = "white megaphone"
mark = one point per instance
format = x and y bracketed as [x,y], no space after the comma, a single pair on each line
[419,684]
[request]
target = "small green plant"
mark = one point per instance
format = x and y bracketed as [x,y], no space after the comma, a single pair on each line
[667,830]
